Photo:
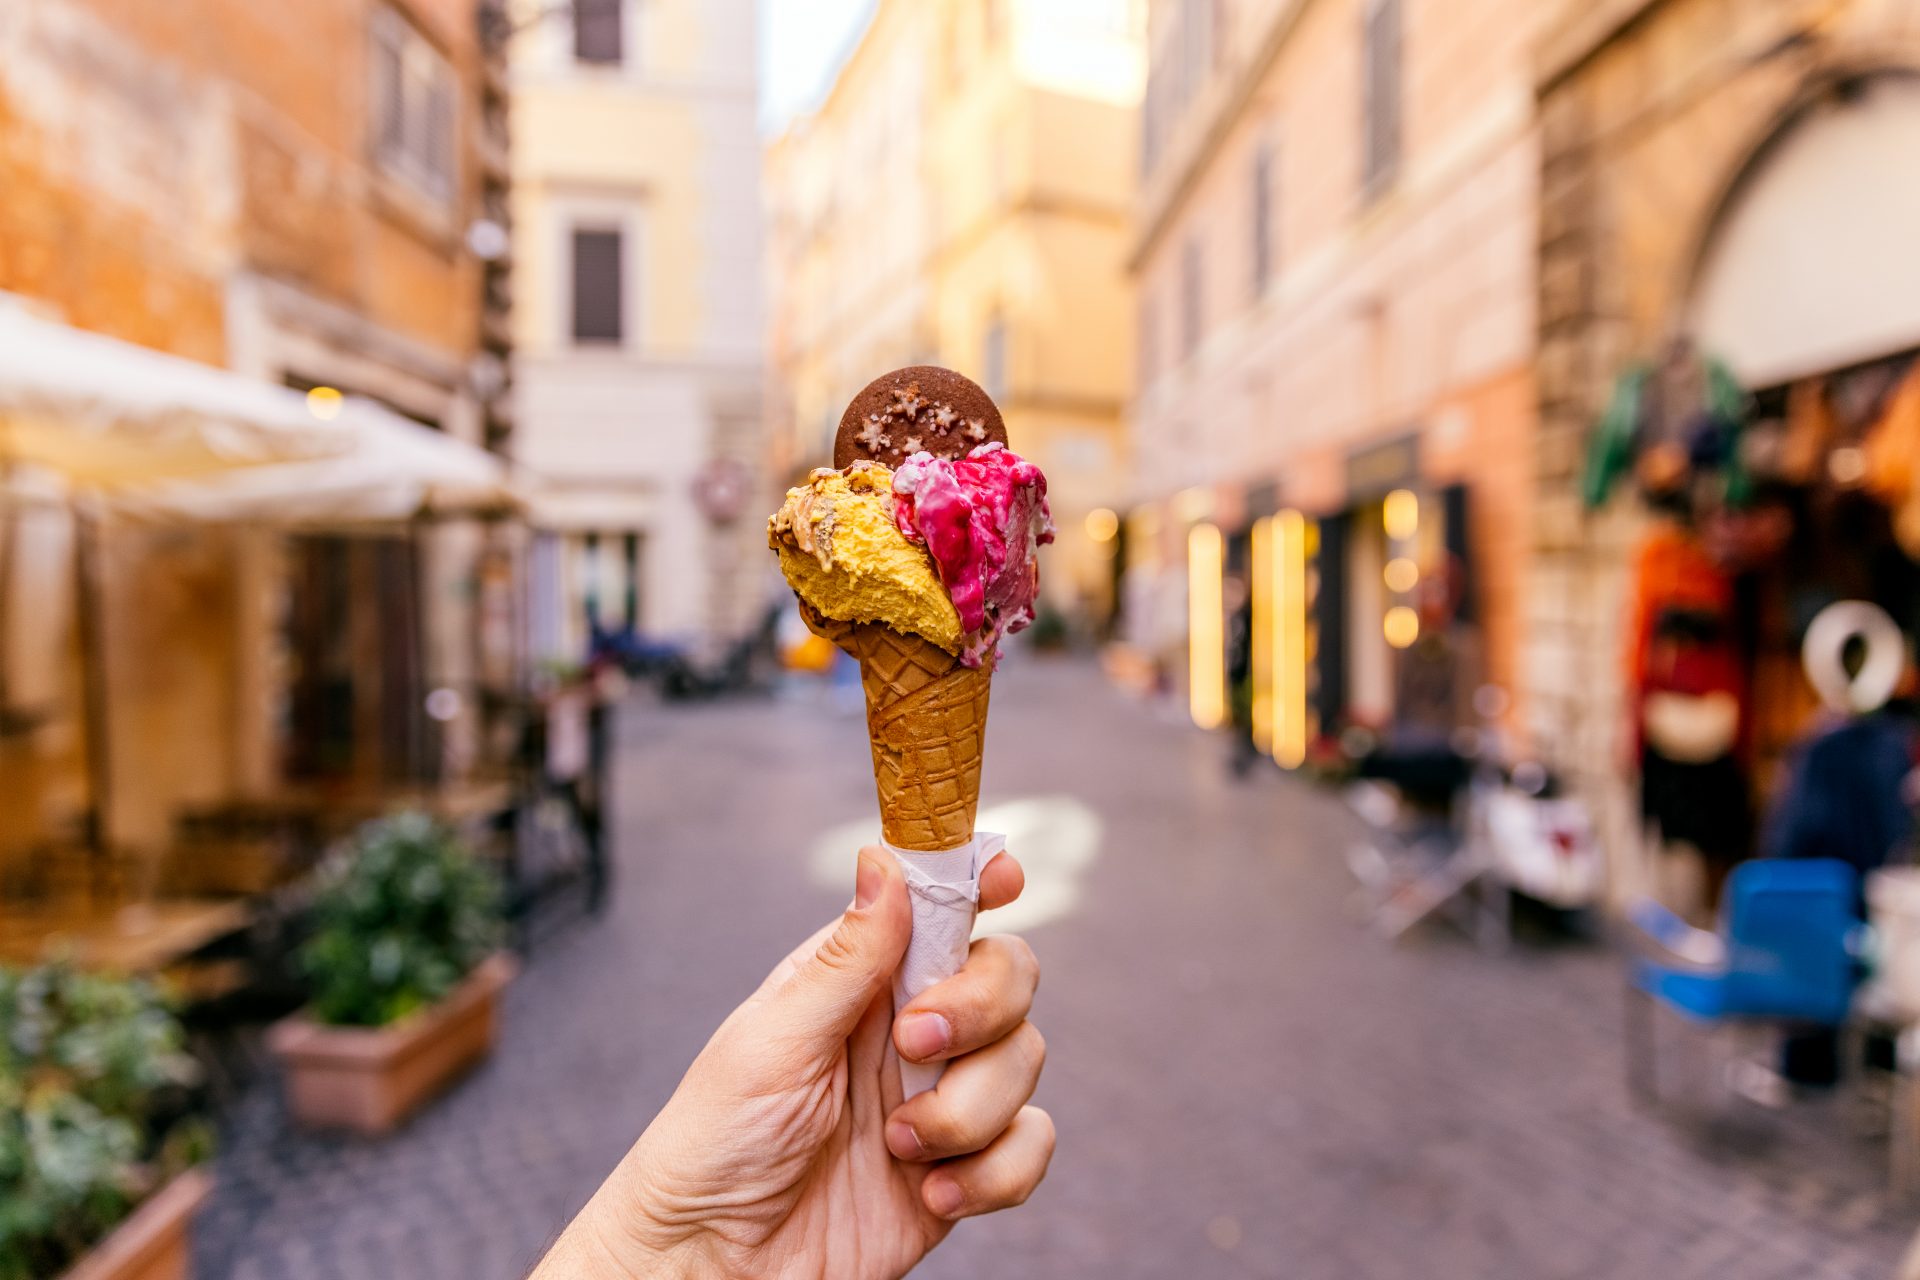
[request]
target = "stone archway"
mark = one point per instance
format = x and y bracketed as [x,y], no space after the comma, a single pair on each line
[1661,130]
[1812,260]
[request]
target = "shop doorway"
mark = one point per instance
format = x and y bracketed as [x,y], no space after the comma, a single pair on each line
[353,639]
[1369,658]
[1810,538]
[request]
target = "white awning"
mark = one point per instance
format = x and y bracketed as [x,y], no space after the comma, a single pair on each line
[103,413]
[393,470]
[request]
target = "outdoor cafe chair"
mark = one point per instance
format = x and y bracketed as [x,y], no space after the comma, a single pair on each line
[1788,957]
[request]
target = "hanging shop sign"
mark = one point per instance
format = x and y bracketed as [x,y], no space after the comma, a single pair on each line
[721,490]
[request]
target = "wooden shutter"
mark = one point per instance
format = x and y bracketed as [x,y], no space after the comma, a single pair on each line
[597,278]
[1382,91]
[1262,216]
[437,160]
[389,130]
[1192,298]
[598,33]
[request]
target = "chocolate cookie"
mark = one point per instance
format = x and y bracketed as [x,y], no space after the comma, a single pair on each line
[923,408]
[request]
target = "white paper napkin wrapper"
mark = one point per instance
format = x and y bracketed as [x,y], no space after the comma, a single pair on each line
[945,891]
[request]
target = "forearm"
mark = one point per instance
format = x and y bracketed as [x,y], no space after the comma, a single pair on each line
[600,1244]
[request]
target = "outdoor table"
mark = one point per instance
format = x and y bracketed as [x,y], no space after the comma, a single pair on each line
[145,938]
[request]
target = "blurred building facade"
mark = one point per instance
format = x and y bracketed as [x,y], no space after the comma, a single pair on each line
[1734,179]
[639,321]
[1334,259]
[961,198]
[289,191]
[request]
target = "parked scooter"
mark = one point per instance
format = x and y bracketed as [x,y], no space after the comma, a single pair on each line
[1505,830]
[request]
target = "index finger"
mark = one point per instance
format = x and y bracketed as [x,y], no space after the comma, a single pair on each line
[1001,881]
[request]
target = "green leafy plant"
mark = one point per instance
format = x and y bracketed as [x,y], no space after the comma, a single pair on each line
[1049,630]
[402,915]
[95,1093]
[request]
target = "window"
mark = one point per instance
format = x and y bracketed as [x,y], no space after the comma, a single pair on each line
[993,358]
[414,105]
[1196,20]
[1261,214]
[599,33]
[598,278]
[632,550]
[1382,52]
[590,574]
[1191,299]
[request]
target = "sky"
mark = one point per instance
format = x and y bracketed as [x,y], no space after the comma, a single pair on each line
[802,43]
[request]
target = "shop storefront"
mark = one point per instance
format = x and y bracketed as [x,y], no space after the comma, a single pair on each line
[1288,615]
[1729,385]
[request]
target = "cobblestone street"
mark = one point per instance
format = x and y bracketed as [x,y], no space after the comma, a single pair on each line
[1245,1083]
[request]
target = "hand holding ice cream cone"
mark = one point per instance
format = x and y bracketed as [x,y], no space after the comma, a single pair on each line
[916,557]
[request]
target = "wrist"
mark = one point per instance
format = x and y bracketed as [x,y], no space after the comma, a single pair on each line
[635,1227]
[614,1238]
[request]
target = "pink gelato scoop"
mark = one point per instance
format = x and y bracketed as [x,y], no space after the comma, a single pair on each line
[982,518]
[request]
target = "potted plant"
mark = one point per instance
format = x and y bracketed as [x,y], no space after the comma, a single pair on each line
[98,1140]
[1049,632]
[406,976]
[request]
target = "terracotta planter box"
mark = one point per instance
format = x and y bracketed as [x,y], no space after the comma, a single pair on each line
[152,1244]
[370,1079]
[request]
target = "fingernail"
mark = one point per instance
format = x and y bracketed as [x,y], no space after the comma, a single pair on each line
[944,1196]
[866,884]
[924,1034]
[903,1141]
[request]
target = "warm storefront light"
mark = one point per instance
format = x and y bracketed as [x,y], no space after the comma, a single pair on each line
[1402,575]
[1400,514]
[1280,585]
[325,403]
[1290,639]
[1264,582]
[1206,654]
[1102,524]
[1401,626]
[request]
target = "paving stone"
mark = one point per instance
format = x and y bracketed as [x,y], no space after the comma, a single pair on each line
[1226,1047]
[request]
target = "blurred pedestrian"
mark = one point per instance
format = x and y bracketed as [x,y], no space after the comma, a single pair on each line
[1239,607]
[788,1150]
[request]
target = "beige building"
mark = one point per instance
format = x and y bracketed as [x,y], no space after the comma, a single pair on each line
[961,198]
[638,321]
[1334,262]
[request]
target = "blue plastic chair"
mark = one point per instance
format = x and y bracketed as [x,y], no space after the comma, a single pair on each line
[1792,931]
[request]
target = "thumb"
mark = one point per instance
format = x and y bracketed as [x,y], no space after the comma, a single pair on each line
[833,986]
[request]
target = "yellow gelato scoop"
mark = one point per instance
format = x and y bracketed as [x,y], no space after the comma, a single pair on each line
[842,552]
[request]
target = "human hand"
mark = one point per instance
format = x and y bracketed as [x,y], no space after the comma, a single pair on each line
[787,1149]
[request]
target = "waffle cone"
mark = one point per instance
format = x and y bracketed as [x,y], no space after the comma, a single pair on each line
[927,723]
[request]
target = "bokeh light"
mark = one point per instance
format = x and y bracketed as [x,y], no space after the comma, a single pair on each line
[325,403]
[1400,515]
[1401,626]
